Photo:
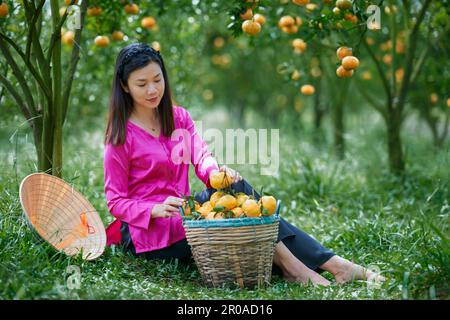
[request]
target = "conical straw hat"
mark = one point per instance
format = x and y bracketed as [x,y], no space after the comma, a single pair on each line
[62,216]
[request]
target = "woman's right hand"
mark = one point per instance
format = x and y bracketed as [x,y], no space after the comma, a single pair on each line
[169,208]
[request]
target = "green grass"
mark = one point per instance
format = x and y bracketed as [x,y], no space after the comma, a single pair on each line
[354,206]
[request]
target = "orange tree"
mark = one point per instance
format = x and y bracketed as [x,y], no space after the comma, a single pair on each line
[245,76]
[338,94]
[398,53]
[430,93]
[43,54]
[331,93]
[31,48]
[404,30]
[40,56]
[305,35]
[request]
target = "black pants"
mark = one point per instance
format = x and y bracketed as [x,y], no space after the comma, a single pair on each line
[304,247]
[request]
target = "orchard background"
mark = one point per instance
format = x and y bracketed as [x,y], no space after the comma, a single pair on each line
[364,150]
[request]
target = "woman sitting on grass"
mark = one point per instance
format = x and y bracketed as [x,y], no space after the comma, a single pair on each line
[144,177]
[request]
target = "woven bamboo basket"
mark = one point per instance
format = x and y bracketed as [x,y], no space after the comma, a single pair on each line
[234,251]
[62,216]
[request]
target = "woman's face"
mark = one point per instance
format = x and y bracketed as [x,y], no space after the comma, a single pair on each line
[146,86]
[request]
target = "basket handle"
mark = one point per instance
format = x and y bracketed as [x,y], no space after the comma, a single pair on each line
[182,211]
[278,208]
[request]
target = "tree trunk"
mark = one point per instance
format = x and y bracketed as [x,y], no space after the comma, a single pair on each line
[432,125]
[239,114]
[46,156]
[318,115]
[338,120]
[57,142]
[57,109]
[395,146]
[36,129]
[318,109]
[339,143]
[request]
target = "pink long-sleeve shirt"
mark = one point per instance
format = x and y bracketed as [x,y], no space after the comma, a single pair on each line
[145,170]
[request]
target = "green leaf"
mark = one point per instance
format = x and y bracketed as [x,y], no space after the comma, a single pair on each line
[218,208]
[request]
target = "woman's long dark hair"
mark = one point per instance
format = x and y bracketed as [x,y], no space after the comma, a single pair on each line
[132,57]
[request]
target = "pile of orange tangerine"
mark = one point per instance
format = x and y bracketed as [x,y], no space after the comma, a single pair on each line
[225,203]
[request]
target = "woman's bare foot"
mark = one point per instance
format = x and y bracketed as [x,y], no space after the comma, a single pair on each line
[306,277]
[293,269]
[344,270]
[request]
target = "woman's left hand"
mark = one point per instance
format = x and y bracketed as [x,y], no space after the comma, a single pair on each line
[232,173]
